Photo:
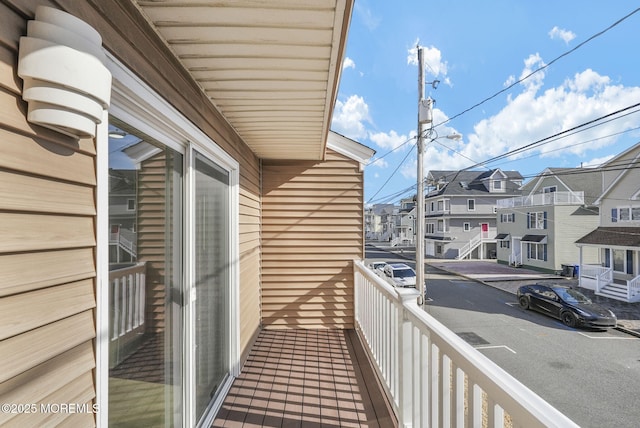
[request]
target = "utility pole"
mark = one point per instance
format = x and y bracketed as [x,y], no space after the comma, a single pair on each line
[424,116]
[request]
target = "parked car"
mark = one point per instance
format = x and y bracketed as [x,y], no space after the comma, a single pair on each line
[566,304]
[378,267]
[400,275]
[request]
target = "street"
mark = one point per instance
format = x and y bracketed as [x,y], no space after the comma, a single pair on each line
[591,376]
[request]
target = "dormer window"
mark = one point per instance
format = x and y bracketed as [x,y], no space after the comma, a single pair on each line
[497,186]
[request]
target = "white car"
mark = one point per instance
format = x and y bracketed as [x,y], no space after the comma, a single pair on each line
[378,267]
[400,275]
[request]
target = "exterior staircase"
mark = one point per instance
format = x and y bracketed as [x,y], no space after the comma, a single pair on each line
[468,248]
[614,291]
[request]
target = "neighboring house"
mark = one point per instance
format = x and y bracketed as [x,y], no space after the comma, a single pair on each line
[381,222]
[405,215]
[538,230]
[122,215]
[616,272]
[460,219]
[249,210]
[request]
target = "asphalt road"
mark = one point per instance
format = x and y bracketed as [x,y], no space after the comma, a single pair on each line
[591,376]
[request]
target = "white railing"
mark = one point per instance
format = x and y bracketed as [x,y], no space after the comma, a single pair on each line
[434,378]
[552,198]
[127,295]
[633,289]
[467,248]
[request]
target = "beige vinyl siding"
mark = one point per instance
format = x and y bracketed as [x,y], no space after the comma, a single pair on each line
[47,215]
[47,264]
[312,230]
[152,235]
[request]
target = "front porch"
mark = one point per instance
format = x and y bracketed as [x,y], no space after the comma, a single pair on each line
[430,376]
[603,281]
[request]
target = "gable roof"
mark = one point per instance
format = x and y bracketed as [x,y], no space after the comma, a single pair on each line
[618,163]
[587,180]
[471,182]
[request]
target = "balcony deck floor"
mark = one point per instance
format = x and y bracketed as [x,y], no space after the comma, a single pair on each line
[305,378]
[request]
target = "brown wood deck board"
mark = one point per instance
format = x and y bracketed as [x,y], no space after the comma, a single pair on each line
[306,378]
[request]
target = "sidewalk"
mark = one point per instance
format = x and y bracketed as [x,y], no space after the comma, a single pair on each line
[510,278]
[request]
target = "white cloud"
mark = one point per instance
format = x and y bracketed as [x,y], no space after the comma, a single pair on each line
[558,33]
[531,64]
[434,66]
[350,116]
[390,140]
[595,162]
[380,163]
[348,63]
[532,115]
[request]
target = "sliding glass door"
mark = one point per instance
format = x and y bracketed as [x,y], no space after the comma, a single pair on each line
[211,284]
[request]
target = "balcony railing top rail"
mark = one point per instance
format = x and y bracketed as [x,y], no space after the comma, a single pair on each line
[431,376]
[552,198]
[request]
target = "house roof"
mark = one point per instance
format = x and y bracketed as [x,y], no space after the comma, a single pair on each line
[472,182]
[613,236]
[350,148]
[271,68]
[622,163]
[587,180]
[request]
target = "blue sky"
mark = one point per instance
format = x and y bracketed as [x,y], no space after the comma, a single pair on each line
[477,49]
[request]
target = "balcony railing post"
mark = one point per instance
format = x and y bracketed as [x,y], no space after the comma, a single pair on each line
[406,356]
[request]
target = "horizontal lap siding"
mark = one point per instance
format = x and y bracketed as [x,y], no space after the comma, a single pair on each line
[312,229]
[47,262]
[47,210]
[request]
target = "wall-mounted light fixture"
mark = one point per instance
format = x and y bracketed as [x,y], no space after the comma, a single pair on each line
[66,84]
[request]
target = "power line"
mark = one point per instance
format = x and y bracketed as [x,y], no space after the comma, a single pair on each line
[540,68]
[549,139]
[392,174]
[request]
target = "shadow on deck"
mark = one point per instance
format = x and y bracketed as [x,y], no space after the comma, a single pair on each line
[306,378]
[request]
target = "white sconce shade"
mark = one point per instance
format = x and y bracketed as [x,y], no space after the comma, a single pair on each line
[66,83]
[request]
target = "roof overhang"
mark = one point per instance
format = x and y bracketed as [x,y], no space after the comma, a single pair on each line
[271,68]
[614,237]
[539,239]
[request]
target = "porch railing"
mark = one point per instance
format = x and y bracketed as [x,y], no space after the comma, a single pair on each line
[552,198]
[633,289]
[467,248]
[127,316]
[595,276]
[431,376]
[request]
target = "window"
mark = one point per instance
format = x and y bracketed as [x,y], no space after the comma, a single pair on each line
[471,204]
[442,226]
[549,189]
[537,220]
[443,205]
[131,204]
[537,251]
[433,206]
[466,226]
[431,227]
[497,184]
[625,214]
[505,244]
[508,218]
